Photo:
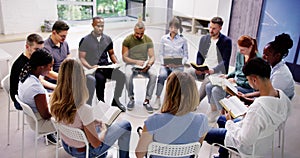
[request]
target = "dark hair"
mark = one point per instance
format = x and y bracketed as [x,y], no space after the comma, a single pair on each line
[40,57]
[247,41]
[217,20]
[282,44]
[176,21]
[34,38]
[60,26]
[257,66]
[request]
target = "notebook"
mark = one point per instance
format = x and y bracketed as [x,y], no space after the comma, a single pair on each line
[173,60]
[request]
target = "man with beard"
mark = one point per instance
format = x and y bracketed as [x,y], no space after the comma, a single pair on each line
[138,51]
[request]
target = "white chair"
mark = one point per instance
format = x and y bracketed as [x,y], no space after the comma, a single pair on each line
[28,111]
[231,151]
[72,133]
[281,133]
[6,87]
[173,150]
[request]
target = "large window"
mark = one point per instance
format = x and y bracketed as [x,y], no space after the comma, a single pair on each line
[86,9]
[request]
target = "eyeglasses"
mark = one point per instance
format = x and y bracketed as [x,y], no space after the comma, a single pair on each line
[62,36]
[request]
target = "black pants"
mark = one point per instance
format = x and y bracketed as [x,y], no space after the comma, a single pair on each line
[115,74]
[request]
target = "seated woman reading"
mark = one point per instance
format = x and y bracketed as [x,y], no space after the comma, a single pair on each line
[177,123]
[68,106]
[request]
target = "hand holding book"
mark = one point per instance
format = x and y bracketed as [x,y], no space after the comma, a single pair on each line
[200,67]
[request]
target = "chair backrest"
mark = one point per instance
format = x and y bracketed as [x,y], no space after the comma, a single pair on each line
[26,108]
[5,83]
[173,150]
[72,133]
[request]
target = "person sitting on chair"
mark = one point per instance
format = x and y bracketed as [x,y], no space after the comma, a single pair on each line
[252,135]
[180,102]
[32,92]
[68,106]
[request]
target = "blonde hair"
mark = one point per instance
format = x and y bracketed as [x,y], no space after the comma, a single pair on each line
[181,95]
[70,93]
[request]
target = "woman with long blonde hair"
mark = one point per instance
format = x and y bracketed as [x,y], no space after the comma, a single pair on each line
[68,106]
[177,123]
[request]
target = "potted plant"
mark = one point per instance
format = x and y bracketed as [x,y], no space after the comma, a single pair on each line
[147,17]
[43,27]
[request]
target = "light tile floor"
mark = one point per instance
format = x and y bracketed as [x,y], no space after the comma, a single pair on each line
[136,117]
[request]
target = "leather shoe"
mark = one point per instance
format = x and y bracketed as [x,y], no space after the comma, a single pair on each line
[118,104]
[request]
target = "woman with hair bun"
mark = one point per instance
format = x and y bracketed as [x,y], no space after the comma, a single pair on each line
[281,77]
[274,52]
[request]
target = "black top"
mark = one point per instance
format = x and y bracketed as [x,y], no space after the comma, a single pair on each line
[14,75]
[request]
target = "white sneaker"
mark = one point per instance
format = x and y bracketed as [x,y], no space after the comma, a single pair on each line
[213,116]
[157,104]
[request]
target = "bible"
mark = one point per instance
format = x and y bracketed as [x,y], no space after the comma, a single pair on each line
[111,66]
[107,116]
[234,105]
[139,67]
[224,83]
[199,67]
[173,60]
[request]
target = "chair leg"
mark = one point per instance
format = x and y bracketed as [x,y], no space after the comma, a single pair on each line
[35,143]
[56,145]
[23,137]
[282,143]
[18,120]
[8,122]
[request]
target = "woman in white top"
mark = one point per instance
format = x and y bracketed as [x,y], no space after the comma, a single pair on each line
[32,92]
[254,134]
[68,106]
[281,77]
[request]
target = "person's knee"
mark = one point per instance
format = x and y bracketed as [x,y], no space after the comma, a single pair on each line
[126,125]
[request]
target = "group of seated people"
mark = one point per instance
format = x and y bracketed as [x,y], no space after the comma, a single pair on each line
[45,69]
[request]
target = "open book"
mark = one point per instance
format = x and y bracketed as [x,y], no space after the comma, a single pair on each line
[223,82]
[235,105]
[108,116]
[139,67]
[199,67]
[111,66]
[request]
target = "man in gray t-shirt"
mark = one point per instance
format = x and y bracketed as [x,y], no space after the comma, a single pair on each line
[94,50]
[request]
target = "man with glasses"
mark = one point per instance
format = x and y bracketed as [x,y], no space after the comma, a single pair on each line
[57,45]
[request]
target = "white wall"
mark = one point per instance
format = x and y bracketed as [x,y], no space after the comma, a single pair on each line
[21,16]
[157,10]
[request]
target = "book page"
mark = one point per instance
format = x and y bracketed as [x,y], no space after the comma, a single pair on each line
[90,71]
[107,116]
[141,67]
[111,66]
[229,87]
[216,80]
[234,104]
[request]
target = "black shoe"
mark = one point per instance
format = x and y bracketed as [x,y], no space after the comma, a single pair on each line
[118,104]
[52,138]
[148,106]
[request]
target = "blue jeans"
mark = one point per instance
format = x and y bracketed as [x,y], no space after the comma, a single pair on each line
[130,74]
[163,75]
[117,131]
[222,121]
[215,94]
[217,135]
